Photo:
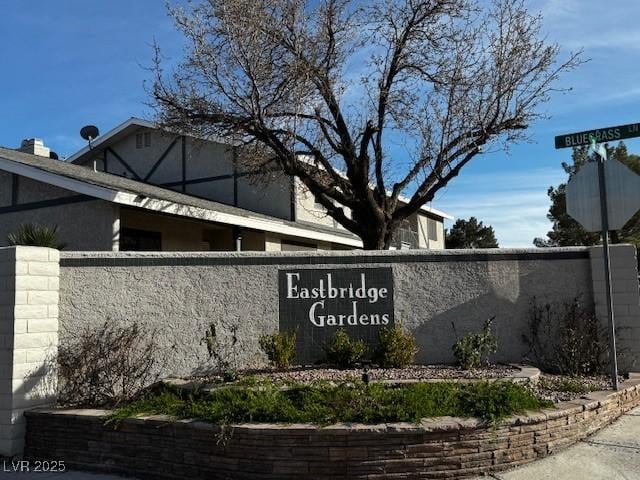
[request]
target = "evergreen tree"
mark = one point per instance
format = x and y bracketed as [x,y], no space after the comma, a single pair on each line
[566,231]
[470,234]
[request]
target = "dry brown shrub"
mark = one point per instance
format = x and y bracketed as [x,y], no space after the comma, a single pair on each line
[107,365]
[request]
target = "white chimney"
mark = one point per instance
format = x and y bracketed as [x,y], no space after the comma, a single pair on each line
[34,146]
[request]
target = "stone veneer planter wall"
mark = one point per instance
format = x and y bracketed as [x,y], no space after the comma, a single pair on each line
[159,447]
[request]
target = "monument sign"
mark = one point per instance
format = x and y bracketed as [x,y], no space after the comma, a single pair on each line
[317,302]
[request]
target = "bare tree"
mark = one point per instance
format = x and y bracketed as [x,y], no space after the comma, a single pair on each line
[366,103]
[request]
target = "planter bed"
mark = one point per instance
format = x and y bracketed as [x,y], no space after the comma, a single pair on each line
[389,376]
[446,447]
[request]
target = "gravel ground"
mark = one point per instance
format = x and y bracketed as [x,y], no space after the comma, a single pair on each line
[558,388]
[413,372]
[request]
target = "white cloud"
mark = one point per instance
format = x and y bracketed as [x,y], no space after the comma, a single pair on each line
[513,179]
[514,203]
[590,24]
[625,39]
[556,10]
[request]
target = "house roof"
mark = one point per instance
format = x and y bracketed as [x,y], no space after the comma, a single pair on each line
[124,191]
[131,125]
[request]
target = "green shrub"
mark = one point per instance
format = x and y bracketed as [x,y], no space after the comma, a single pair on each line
[567,384]
[472,350]
[343,351]
[324,404]
[396,348]
[493,401]
[280,348]
[29,234]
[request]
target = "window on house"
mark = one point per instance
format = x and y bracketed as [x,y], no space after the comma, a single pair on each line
[143,139]
[406,236]
[135,240]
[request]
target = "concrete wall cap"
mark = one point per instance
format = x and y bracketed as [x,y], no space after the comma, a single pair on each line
[71,412]
[330,253]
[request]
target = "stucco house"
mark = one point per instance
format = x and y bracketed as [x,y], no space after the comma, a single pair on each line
[139,188]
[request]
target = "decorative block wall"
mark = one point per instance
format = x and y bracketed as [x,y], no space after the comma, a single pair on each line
[626,301]
[438,448]
[29,283]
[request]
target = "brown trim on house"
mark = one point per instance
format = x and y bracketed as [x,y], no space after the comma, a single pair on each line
[15,183]
[125,164]
[56,202]
[160,160]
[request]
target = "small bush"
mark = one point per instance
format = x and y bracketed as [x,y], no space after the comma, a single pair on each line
[396,348]
[343,351]
[565,338]
[324,404]
[493,401]
[106,366]
[280,348]
[223,351]
[29,234]
[472,350]
[566,384]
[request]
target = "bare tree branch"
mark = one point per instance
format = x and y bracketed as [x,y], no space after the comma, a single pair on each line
[346,82]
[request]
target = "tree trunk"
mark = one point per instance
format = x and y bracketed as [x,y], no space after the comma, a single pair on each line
[375,234]
[374,242]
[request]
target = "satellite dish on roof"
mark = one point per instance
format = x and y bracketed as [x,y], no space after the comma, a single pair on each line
[53,155]
[89,133]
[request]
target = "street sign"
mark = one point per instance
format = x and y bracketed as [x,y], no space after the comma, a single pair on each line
[623,195]
[601,135]
[603,196]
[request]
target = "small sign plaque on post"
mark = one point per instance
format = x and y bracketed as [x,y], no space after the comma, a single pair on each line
[316,303]
[609,134]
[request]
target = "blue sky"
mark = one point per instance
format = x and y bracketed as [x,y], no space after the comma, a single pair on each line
[67,64]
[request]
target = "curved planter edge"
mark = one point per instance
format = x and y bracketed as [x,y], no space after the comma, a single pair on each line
[447,447]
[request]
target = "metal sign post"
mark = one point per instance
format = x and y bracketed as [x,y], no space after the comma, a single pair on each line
[614,212]
[607,272]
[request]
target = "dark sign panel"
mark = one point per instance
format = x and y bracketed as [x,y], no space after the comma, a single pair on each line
[318,302]
[601,134]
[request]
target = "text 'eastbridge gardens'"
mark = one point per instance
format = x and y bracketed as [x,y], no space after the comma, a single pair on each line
[315,303]
[326,288]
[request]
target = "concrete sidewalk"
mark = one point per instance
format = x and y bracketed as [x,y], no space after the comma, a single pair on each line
[611,454]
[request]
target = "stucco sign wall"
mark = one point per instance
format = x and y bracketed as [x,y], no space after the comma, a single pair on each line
[317,302]
[240,294]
